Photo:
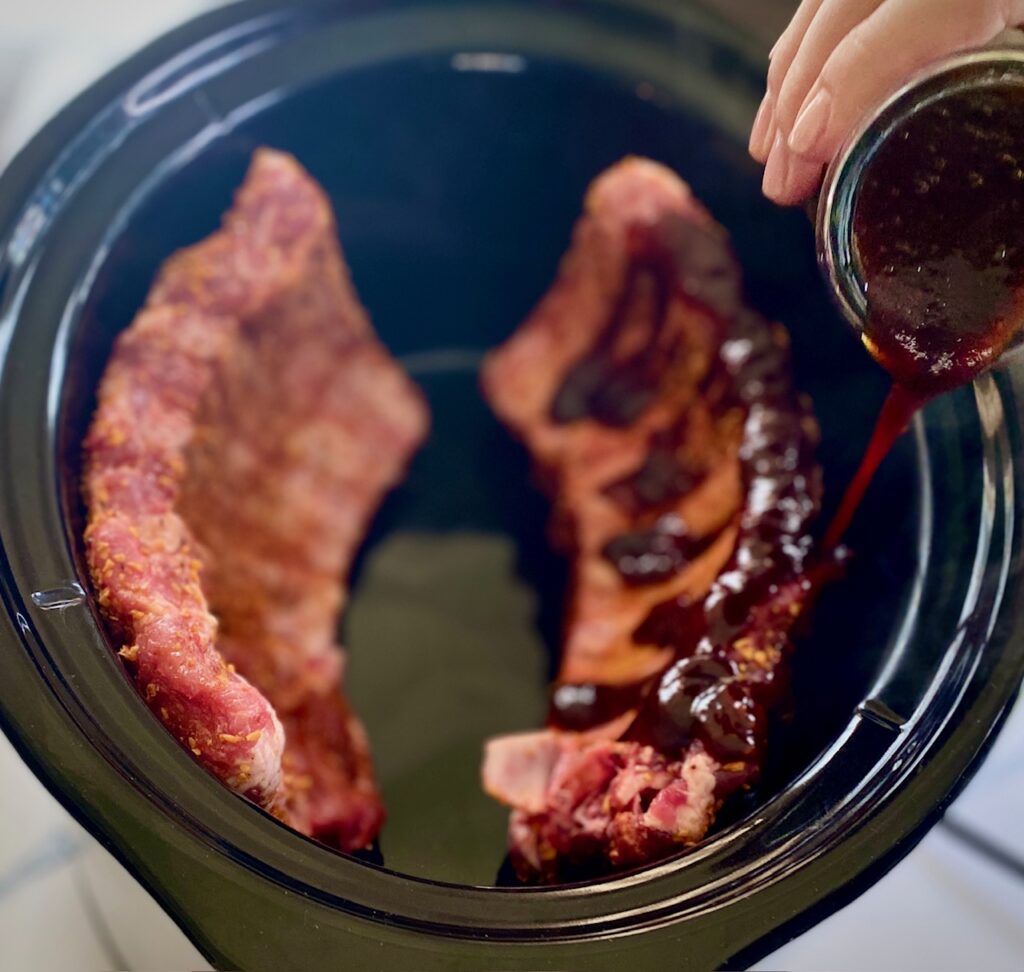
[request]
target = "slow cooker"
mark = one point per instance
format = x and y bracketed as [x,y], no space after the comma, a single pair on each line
[455,140]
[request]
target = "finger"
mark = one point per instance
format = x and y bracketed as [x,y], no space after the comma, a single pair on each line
[901,37]
[835,20]
[802,178]
[789,42]
[788,178]
[763,132]
[775,167]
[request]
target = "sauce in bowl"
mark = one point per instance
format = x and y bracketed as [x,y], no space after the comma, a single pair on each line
[938,239]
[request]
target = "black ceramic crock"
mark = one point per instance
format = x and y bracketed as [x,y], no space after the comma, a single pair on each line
[456,140]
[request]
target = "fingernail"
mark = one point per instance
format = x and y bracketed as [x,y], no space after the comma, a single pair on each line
[774,182]
[802,177]
[811,123]
[760,132]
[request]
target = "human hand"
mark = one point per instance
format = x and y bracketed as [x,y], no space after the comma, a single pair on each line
[839,58]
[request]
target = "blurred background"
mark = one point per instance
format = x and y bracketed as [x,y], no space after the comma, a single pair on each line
[957,902]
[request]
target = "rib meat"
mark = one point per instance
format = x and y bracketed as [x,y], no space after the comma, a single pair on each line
[660,414]
[249,423]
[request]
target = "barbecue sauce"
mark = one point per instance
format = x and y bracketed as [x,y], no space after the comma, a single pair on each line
[581,706]
[707,691]
[620,377]
[657,553]
[939,237]
[938,231]
[700,697]
[663,476]
[898,409]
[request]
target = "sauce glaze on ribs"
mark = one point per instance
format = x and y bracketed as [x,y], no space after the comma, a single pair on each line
[248,425]
[660,414]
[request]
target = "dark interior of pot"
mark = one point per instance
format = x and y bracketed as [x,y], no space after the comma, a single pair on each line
[456,182]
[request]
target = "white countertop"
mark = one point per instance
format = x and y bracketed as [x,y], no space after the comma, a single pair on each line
[951,904]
